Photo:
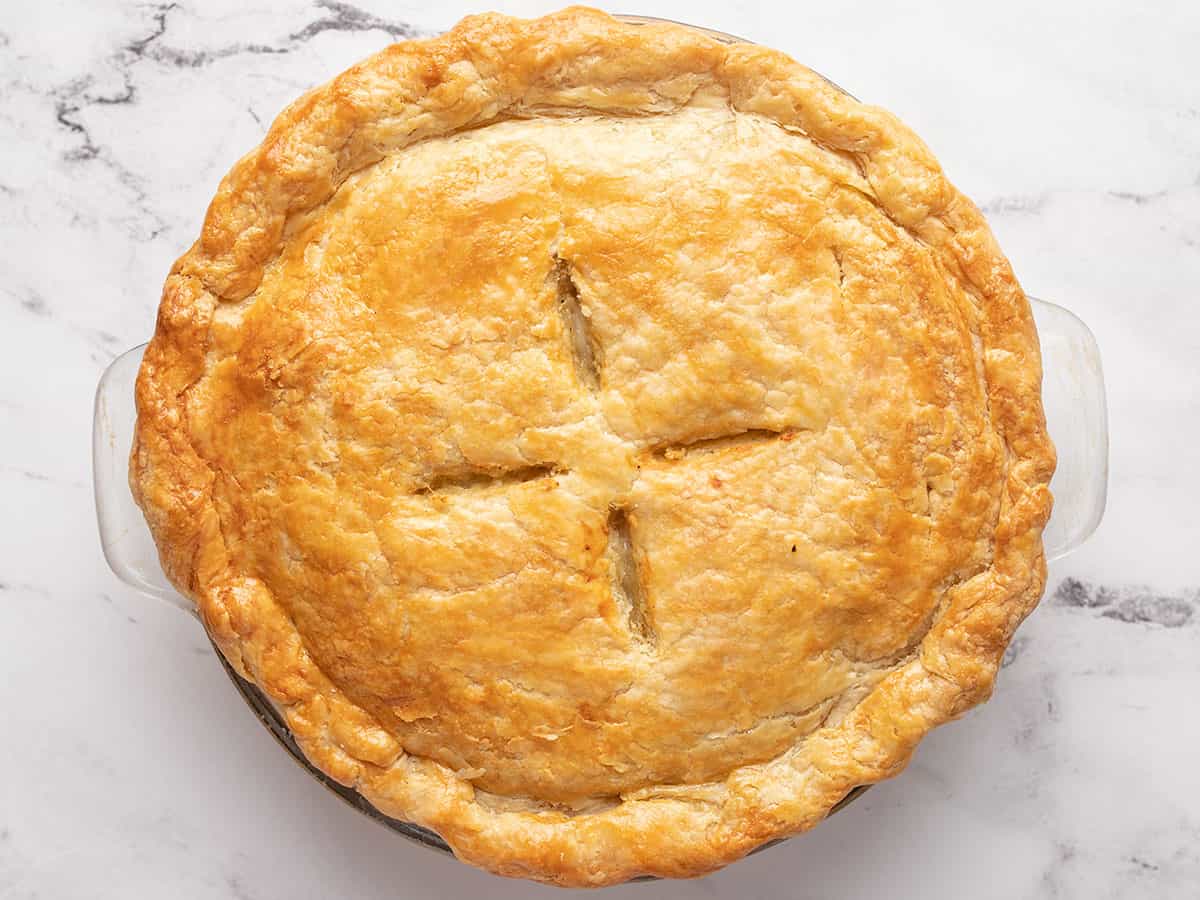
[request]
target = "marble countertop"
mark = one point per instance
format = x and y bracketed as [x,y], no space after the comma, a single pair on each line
[130,769]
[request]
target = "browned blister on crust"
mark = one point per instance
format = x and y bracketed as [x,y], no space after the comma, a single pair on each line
[606,446]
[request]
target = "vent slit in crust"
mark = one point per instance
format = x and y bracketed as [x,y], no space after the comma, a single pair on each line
[476,478]
[584,350]
[628,586]
[721,442]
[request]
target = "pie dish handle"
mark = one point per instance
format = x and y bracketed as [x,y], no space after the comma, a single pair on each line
[124,537]
[1077,419]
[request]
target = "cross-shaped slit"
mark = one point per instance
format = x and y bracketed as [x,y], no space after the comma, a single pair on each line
[627,572]
[628,588]
[584,351]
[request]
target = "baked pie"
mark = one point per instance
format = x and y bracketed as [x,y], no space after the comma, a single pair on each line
[606,446]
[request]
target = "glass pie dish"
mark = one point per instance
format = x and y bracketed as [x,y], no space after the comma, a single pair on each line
[1074,401]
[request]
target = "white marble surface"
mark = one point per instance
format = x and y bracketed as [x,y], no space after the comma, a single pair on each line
[129,768]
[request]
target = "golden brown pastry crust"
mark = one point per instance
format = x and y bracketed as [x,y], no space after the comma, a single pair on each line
[914,547]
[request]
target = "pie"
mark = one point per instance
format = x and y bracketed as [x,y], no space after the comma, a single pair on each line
[606,446]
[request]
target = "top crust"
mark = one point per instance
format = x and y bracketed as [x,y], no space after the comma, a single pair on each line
[303,557]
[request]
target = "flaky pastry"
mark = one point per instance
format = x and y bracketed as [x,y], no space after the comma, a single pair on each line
[606,446]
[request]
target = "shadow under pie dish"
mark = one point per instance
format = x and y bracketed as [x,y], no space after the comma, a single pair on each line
[606,447]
